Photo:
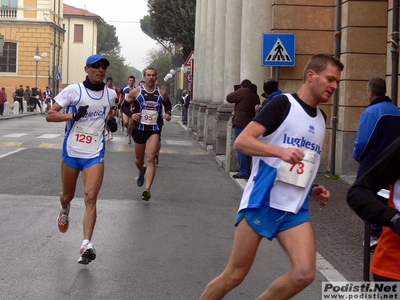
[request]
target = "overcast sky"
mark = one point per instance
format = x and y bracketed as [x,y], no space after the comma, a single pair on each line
[125,16]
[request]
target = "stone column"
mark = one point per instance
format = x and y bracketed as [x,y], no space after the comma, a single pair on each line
[231,75]
[256,20]
[199,64]
[208,70]
[211,122]
[196,47]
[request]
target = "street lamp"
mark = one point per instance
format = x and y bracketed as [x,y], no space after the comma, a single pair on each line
[37,58]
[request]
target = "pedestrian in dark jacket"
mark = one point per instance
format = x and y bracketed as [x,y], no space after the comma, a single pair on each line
[245,100]
[380,105]
[271,90]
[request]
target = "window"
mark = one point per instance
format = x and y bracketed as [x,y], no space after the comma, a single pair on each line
[8,62]
[78,33]
[9,3]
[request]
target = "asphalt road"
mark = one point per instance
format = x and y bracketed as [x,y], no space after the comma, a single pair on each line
[167,248]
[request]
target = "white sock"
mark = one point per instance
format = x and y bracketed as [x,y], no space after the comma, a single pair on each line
[85,242]
[65,210]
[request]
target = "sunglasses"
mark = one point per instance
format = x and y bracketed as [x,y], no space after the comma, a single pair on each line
[97,66]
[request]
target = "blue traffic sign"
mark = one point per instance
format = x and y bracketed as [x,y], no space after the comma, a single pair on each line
[58,76]
[278,49]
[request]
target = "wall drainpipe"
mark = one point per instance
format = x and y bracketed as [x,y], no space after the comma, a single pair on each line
[335,105]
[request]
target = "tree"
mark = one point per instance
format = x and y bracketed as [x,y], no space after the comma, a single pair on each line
[172,21]
[135,72]
[109,46]
[107,39]
[159,59]
[145,25]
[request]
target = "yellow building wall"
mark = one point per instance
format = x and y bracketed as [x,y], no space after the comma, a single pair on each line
[27,39]
[30,11]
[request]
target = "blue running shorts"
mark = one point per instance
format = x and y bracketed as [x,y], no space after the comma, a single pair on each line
[268,221]
[82,163]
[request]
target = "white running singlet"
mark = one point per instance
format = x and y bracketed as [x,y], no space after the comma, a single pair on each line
[85,138]
[288,191]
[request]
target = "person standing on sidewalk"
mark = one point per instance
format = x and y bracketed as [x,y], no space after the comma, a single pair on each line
[147,100]
[87,106]
[245,100]
[3,99]
[285,140]
[186,104]
[271,90]
[361,197]
[365,153]
[19,96]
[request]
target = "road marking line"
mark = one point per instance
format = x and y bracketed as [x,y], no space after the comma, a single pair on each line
[198,152]
[328,271]
[167,151]
[12,144]
[12,152]
[48,136]
[178,143]
[50,146]
[14,135]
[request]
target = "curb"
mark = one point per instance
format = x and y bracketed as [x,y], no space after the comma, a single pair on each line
[19,116]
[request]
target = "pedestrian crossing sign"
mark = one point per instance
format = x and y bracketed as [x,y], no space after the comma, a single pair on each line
[58,76]
[278,49]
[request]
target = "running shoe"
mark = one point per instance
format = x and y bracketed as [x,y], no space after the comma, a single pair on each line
[88,253]
[156,160]
[146,195]
[129,141]
[373,242]
[63,221]
[140,178]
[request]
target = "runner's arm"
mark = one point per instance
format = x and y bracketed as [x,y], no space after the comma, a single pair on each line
[54,114]
[166,102]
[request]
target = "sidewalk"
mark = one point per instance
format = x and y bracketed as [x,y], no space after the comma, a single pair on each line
[23,115]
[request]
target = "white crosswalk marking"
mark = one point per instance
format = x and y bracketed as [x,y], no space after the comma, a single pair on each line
[15,135]
[178,143]
[48,136]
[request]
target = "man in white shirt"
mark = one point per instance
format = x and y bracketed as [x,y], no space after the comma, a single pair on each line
[86,109]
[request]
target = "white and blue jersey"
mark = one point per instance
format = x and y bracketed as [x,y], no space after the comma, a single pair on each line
[85,138]
[47,95]
[264,188]
[126,90]
[150,105]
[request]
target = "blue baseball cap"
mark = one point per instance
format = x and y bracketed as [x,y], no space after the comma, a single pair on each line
[92,59]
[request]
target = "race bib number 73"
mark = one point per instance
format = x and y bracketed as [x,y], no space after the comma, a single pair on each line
[298,174]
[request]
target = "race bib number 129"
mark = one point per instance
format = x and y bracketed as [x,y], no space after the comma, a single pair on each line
[86,138]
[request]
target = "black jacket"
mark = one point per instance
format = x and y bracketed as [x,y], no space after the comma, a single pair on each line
[362,195]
